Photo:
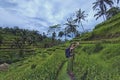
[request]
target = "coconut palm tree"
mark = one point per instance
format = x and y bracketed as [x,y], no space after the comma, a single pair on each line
[53,36]
[99,14]
[80,15]
[60,34]
[101,7]
[70,27]
[54,28]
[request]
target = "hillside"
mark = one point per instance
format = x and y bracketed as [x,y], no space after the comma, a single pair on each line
[97,58]
[16,43]
[106,30]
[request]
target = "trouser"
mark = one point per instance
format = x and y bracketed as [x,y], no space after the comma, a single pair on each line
[70,64]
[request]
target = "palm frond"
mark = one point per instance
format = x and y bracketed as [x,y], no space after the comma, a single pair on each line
[118,1]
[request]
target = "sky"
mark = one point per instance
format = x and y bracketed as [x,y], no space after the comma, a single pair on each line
[40,14]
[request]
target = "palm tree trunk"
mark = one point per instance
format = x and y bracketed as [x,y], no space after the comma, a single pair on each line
[72,35]
[65,34]
[65,37]
[104,18]
[82,26]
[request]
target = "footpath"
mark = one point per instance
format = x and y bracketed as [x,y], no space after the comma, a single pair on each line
[63,75]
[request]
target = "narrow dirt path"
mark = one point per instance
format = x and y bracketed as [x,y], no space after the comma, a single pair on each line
[63,75]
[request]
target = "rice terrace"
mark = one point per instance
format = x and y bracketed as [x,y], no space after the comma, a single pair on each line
[59,40]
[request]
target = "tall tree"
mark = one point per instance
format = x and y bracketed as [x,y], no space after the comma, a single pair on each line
[44,35]
[60,34]
[54,28]
[99,14]
[70,27]
[53,36]
[101,7]
[80,15]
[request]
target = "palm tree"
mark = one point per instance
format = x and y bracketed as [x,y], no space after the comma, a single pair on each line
[65,33]
[53,36]
[71,27]
[44,35]
[54,28]
[99,14]
[80,15]
[60,34]
[101,7]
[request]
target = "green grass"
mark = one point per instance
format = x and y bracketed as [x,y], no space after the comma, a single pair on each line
[37,67]
[63,73]
[108,29]
[98,65]
[92,62]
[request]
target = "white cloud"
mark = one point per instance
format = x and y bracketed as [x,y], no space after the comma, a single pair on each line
[10,19]
[39,14]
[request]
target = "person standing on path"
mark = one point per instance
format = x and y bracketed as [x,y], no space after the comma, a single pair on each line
[71,58]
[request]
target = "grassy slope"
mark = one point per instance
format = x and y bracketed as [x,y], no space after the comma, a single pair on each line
[43,66]
[98,61]
[107,30]
[101,64]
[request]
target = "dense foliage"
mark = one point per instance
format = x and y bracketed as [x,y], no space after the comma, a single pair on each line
[16,43]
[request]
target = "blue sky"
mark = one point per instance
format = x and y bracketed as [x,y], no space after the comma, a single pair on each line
[40,14]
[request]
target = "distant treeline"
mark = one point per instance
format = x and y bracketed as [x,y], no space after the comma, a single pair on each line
[16,43]
[24,36]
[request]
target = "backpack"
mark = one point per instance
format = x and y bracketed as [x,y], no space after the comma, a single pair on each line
[67,52]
